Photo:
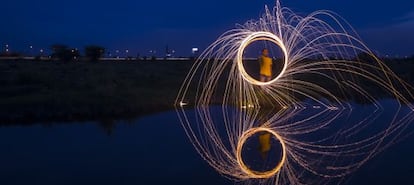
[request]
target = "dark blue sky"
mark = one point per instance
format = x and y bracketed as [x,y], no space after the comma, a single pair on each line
[141,26]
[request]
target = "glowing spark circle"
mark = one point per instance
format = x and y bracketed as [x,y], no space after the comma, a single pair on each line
[257,174]
[327,73]
[256,36]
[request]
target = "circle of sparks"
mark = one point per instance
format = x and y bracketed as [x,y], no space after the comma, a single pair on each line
[259,174]
[327,72]
[256,36]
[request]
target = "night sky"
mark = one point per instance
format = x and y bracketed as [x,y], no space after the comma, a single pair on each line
[140,26]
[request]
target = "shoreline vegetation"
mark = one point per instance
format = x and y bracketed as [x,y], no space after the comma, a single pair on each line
[34,91]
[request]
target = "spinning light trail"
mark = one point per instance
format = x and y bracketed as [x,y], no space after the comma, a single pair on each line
[325,68]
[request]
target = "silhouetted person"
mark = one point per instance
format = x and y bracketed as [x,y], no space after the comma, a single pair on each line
[265,66]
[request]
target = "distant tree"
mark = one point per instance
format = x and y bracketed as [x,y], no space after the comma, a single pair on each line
[93,53]
[63,53]
[366,57]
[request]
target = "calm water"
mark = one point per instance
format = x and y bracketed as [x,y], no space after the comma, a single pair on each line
[150,150]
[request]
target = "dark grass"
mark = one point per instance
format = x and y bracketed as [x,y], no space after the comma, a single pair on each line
[33,91]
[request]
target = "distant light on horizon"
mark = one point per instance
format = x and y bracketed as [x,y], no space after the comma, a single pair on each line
[194,50]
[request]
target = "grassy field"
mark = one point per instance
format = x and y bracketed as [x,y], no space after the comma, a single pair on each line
[55,91]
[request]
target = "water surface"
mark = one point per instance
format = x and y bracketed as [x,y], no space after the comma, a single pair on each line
[151,150]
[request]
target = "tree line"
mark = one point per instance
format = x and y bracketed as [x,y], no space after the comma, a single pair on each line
[66,54]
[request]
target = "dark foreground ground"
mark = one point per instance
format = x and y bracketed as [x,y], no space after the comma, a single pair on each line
[34,91]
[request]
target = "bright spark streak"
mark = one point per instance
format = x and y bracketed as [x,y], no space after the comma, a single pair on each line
[315,54]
